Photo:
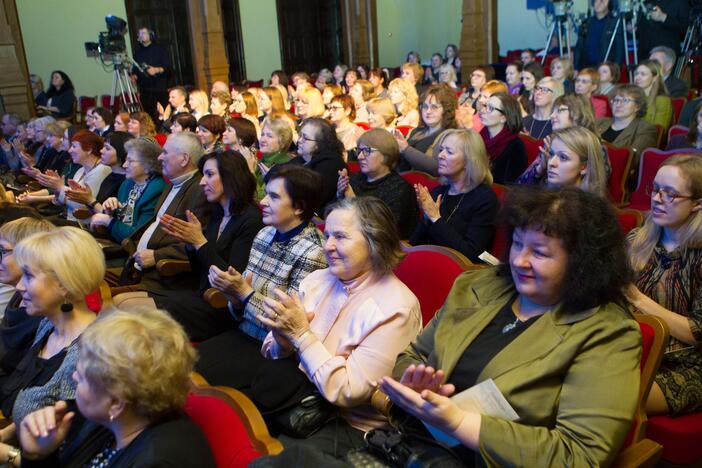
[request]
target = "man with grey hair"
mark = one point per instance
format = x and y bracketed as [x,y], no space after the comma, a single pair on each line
[8,127]
[666,57]
[179,160]
[219,86]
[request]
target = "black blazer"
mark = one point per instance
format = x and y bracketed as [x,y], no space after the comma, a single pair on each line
[510,163]
[232,247]
[328,166]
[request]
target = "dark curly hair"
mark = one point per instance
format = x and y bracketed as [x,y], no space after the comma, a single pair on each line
[445,96]
[587,225]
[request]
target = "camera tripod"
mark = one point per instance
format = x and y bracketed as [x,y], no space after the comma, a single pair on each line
[121,79]
[625,21]
[561,25]
[690,44]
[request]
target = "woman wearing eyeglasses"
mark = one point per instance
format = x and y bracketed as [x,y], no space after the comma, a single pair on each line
[438,113]
[666,254]
[378,154]
[626,128]
[319,149]
[502,120]
[342,113]
[538,124]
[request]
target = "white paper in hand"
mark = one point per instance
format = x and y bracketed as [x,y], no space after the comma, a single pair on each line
[484,398]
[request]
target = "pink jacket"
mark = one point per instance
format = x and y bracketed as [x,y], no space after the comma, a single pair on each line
[358,330]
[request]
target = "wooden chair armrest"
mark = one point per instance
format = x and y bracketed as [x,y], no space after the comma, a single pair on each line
[168,267]
[82,213]
[644,453]
[198,380]
[215,298]
[125,289]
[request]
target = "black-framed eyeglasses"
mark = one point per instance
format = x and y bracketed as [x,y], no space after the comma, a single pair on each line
[4,252]
[302,137]
[366,150]
[491,108]
[667,196]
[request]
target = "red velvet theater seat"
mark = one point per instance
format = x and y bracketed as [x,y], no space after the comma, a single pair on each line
[681,437]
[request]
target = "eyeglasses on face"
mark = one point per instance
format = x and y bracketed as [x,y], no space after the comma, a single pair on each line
[622,100]
[434,107]
[304,137]
[490,108]
[668,196]
[544,89]
[366,150]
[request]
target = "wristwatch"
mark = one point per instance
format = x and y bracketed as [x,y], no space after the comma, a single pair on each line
[12,454]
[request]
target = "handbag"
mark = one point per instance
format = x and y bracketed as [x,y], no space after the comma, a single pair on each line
[394,448]
[305,418]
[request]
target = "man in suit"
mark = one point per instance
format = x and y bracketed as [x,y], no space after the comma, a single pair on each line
[180,156]
[666,57]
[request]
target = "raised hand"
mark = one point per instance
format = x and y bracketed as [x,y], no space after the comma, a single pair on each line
[42,432]
[189,231]
[427,204]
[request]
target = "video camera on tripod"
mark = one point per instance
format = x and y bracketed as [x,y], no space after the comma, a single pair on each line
[111,49]
[561,26]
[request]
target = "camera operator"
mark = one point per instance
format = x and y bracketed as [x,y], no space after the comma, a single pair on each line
[595,36]
[663,24]
[153,82]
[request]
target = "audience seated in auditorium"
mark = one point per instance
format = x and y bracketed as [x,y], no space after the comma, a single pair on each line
[53,288]
[329,92]
[324,78]
[666,254]
[339,73]
[541,326]
[17,328]
[135,203]
[226,241]
[60,97]
[438,113]
[502,121]
[179,161]
[666,57]
[102,121]
[309,102]
[688,112]
[626,128]
[240,136]
[283,253]
[199,103]
[361,92]
[121,122]
[478,77]
[177,104]
[447,75]
[220,102]
[490,88]
[374,317]
[379,79]
[431,73]
[413,73]
[274,142]
[378,155]
[184,122]
[404,97]
[37,85]
[571,157]
[538,123]
[319,149]
[693,138]
[210,129]
[270,100]
[131,383]
[659,109]
[461,213]
[451,58]
[342,113]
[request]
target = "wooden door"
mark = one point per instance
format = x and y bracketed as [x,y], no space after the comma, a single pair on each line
[169,20]
[310,34]
[231,25]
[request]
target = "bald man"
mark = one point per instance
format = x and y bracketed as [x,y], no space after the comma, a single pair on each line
[219,86]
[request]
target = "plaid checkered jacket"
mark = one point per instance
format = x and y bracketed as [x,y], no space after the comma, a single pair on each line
[281,265]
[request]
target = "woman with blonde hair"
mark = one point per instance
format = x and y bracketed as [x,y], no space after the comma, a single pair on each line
[575,158]
[274,143]
[361,92]
[538,124]
[563,72]
[666,254]
[132,381]
[649,77]
[59,268]
[381,113]
[404,96]
[141,124]
[199,102]
[447,74]
[459,214]
[309,102]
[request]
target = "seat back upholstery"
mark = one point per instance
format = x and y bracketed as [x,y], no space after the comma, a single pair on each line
[678,104]
[232,425]
[677,130]
[629,219]
[605,99]
[429,272]
[500,241]
[419,177]
[404,129]
[650,162]
[620,161]
[353,166]
[532,146]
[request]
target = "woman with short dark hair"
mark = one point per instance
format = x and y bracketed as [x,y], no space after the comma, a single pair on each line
[539,328]
[184,122]
[502,119]
[210,129]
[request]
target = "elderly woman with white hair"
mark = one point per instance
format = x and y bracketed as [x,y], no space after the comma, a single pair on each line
[59,268]
[132,380]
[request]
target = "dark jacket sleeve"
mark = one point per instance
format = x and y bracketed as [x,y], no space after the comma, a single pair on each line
[511,163]
[64,103]
[421,161]
[329,168]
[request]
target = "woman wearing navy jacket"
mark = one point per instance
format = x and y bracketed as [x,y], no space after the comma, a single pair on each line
[60,96]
